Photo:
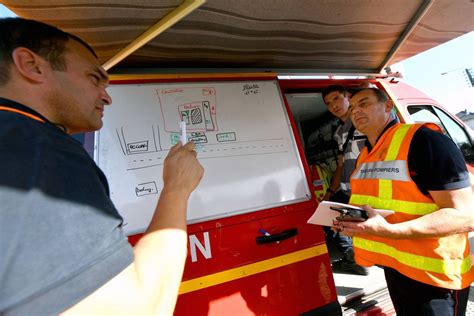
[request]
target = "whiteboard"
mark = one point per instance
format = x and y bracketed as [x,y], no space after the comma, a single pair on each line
[244,142]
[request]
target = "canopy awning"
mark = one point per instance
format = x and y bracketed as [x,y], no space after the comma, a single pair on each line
[345,36]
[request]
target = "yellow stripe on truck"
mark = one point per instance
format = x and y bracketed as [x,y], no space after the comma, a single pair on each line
[251,269]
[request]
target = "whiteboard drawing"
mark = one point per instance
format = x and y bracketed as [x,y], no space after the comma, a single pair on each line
[243,139]
[146,188]
[195,106]
[198,138]
[249,89]
[139,139]
[141,145]
[226,137]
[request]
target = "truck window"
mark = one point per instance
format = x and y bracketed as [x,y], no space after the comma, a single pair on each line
[431,114]
[425,114]
[455,131]
[458,135]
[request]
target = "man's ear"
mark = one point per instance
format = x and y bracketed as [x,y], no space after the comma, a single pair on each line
[389,105]
[29,64]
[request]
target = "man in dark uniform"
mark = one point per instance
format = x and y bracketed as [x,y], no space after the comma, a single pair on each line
[63,250]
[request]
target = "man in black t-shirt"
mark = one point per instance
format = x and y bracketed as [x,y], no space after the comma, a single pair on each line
[62,247]
[421,175]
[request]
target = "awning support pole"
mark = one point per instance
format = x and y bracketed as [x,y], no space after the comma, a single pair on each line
[422,10]
[162,25]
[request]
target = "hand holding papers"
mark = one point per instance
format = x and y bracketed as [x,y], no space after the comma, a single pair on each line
[325,216]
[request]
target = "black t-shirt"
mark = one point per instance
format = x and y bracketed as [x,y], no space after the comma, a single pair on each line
[434,161]
[60,234]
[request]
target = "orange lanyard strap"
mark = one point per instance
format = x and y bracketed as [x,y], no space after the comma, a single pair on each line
[34,117]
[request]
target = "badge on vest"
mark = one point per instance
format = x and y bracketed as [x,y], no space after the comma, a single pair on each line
[390,170]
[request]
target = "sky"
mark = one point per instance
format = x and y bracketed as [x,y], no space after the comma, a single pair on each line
[4,12]
[437,72]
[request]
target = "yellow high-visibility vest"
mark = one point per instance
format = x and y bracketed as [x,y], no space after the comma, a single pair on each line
[382,180]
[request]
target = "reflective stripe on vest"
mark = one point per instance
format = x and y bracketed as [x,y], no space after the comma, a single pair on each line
[377,175]
[442,266]
[396,142]
[413,208]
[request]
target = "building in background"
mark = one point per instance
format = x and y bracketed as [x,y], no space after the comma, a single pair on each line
[467,117]
[461,78]
[470,76]
[462,82]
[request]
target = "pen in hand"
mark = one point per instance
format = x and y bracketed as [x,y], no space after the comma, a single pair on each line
[183,136]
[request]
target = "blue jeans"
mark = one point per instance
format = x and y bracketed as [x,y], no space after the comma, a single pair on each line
[341,242]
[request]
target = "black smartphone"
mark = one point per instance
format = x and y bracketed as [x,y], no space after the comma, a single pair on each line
[350,214]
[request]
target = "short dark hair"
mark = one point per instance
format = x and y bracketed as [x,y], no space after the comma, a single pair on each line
[334,87]
[45,40]
[379,94]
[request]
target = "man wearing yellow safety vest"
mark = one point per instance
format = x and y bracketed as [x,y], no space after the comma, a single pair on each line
[421,175]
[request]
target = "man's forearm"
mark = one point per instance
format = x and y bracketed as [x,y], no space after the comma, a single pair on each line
[444,222]
[161,253]
[150,284]
[456,215]
[336,179]
[170,211]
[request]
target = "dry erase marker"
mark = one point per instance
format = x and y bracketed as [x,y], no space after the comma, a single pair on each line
[264,232]
[183,138]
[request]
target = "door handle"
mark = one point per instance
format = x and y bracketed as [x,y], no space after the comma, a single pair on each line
[277,237]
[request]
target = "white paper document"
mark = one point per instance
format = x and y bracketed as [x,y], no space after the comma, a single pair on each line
[324,215]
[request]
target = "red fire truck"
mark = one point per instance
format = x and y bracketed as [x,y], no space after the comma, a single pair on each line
[270,261]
